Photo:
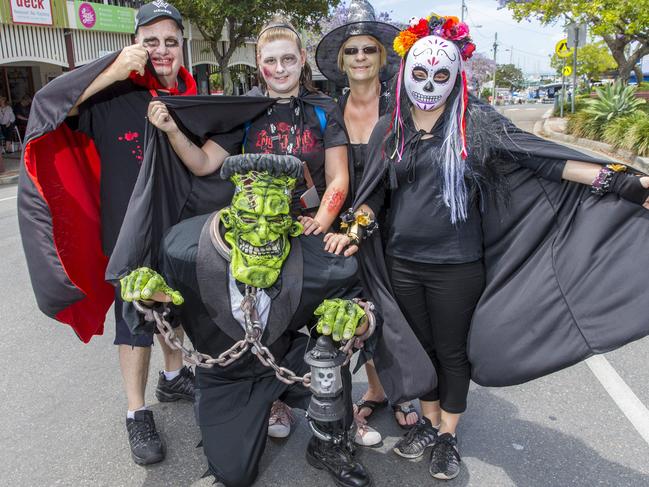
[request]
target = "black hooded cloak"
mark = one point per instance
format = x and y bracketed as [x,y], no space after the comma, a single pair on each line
[564,274]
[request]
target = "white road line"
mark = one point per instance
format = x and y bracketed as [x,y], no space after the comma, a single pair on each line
[636,412]
[512,109]
[7,199]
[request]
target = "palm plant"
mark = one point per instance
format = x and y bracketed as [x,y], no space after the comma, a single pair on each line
[613,101]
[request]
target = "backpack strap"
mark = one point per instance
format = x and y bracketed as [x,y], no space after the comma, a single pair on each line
[246,129]
[322,118]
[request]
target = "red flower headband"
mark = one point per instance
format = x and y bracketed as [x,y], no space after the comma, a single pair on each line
[449,28]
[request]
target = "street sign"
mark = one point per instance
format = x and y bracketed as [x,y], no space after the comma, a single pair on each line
[562,50]
[576,32]
[567,71]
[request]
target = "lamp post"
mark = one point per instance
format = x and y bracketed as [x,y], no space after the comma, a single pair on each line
[493,98]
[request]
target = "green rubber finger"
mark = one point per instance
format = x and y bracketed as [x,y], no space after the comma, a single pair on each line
[127,292]
[339,323]
[122,287]
[357,314]
[329,318]
[155,283]
[176,297]
[141,282]
[319,311]
[318,327]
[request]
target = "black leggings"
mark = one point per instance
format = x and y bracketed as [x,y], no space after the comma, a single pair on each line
[438,301]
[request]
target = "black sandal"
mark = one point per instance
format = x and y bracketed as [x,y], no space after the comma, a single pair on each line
[371,405]
[404,409]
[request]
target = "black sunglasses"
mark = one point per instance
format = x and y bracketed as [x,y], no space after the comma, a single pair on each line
[352,51]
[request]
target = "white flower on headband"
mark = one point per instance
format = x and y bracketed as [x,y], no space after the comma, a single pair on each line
[413,21]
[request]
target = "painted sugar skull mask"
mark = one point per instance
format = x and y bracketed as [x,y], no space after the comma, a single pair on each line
[259,224]
[430,71]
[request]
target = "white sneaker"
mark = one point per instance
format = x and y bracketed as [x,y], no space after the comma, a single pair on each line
[281,418]
[366,435]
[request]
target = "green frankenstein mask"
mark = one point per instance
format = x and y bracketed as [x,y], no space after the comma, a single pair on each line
[259,221]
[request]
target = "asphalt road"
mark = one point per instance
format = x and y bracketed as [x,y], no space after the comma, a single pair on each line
[62,412]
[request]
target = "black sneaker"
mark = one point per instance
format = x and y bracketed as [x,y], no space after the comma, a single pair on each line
[445,458]
[146,445]
[417,439]
[180,387]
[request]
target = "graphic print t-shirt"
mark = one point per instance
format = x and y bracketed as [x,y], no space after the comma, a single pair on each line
[291,128]
[115,119]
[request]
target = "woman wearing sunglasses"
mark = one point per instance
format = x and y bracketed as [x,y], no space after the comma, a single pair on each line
[359,55]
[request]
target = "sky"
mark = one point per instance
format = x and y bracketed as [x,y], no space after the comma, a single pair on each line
[527,44]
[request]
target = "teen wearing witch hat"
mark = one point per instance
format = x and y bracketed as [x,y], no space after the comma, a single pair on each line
[74,189]
[359,55]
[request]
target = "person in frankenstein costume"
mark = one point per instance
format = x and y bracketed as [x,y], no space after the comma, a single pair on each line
[241,274]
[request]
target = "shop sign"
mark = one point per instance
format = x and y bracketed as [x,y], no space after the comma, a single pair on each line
[108,18]
[37,12]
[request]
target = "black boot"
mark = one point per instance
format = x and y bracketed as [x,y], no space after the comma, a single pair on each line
[336,459]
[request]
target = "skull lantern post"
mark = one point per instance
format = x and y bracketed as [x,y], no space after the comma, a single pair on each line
[327,404]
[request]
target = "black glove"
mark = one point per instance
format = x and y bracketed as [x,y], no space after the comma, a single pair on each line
[629,187]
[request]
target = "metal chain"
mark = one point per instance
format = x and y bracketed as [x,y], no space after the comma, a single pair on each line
[251,340]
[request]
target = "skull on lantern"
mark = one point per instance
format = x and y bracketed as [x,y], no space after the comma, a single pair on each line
[326,381]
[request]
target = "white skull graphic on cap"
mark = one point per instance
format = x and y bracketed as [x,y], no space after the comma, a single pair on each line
[430,71]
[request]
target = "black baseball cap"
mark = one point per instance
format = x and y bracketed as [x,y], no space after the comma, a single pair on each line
[157,10]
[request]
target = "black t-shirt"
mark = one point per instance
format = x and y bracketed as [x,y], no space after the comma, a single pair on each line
[418,223]
[115,119]
[291,128]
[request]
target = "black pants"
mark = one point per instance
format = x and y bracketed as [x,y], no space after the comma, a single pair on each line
[438,301]
[233,413]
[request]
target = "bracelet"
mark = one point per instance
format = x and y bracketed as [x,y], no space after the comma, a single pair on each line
[604,179]
[358,226]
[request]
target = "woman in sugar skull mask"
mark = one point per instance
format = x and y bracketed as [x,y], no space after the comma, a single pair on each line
[476,202]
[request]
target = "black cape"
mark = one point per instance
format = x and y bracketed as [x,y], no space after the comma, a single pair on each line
[166,192]
[564,271]
[59,199]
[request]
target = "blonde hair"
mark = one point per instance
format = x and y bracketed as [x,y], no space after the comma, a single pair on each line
[277,29]
[383,54]
[280,29]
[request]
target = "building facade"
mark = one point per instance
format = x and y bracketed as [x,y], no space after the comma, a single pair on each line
[40,39]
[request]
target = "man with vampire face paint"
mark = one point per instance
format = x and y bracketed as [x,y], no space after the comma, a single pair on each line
[489,230]
[239,283]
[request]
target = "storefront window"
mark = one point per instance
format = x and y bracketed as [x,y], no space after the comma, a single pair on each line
[15,82]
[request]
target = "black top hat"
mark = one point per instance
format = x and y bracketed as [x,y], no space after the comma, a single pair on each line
[156,10]
[361,21]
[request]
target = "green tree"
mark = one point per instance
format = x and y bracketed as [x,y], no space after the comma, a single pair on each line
[243,19]
[509,76]
[623,24]
[593,60]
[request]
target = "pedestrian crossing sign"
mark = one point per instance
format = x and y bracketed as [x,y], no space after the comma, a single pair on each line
[562,50]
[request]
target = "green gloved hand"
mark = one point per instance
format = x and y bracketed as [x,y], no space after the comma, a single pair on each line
[145,284]
[338,318]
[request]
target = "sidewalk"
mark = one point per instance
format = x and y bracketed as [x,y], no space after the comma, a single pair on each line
[554,128]
[11,164]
